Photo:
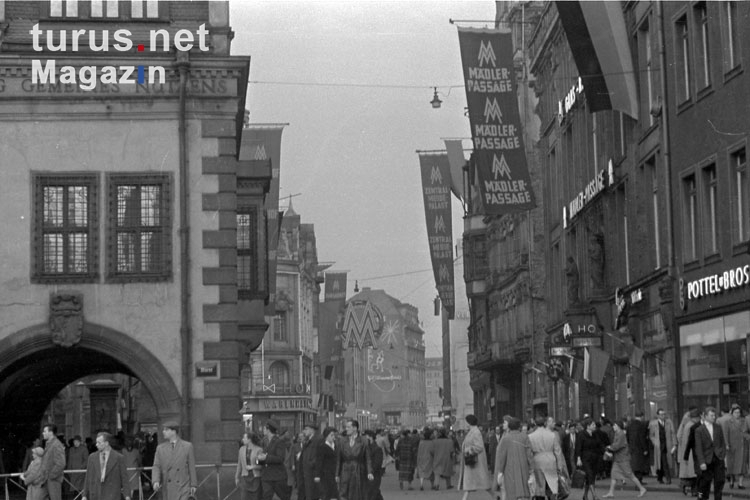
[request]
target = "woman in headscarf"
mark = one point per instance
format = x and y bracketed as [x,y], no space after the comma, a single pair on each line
[735,438]
[473,477]
[621,469]
[514,462]
[589,454]
[688,477]
[425,456]
[35,477]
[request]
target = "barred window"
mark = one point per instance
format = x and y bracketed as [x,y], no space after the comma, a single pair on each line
[65,228]
[139,228]
[113,9]
[247,251]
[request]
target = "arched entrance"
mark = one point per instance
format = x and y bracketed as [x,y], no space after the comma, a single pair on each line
[33,370]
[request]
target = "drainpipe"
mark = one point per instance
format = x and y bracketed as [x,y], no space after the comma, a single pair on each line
[183,65]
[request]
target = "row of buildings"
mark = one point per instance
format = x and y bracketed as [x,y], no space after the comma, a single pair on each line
[640,242]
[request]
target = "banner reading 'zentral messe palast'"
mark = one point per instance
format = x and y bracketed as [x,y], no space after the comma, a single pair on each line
[499,153]
[436,186]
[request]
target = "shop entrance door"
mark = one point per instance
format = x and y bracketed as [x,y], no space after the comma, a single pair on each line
[733,390]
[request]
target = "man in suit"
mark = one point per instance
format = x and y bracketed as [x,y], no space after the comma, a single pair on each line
[53,462]
[638,446]
[494,440]
[273,476]
[710,451]
[569,447]
[106,475]
[174,465]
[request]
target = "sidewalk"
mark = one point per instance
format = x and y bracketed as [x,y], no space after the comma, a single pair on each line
[652,485]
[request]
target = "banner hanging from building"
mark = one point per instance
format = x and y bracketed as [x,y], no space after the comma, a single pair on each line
[499,153]
[599,41]
[335,287]
[436,187]
[455,150]
[263,142]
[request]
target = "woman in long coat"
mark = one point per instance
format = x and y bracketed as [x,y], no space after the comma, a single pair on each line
[442,459]
[474,477]
[405,454]
[621,469]
[548,457]
[327,454]
[425,457]
[35,477]
[78,459]
[688,477]
[735,439]
[589,453]
[514,462]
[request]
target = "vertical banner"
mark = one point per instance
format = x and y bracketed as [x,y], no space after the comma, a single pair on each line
[263,142]
[335,288]
[499,153]
[436,186]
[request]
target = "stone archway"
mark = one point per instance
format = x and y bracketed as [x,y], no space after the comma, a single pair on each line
[33,370]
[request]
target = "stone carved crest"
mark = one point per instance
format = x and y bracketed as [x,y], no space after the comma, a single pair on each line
[66,318]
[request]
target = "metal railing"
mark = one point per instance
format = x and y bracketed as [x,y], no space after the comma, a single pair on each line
[209,475]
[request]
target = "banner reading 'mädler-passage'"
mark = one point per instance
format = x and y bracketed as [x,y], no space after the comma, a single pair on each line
[436,186]
[487,57]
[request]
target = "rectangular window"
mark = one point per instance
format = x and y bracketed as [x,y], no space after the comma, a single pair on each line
[703,66]
[655,209]
[139,228]
[98,9]
[682,59]
[731,36]
[647,82]
[711,236]
[741,196]
[65,228]
[247,251]
[136,8]
[280,328]
[690,225]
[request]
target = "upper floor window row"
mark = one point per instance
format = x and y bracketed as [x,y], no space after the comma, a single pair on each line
[104,9]
[66,228]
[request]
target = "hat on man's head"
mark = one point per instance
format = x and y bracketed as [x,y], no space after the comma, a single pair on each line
[171,424]
[311,425]
[272,425]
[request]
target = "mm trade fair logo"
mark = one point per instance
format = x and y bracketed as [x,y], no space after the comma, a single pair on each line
[86,77]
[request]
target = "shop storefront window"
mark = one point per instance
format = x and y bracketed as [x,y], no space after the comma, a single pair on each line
[714,361]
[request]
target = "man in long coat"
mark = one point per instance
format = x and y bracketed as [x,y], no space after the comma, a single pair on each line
[174,466]
[309,464]
[548,457]
[514,460]
[353,461]
[106,475]
[638,446]
[273,475]
[78,457]
[53,462]
[662,436]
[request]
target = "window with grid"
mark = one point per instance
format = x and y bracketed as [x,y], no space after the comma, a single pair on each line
[280,328]
[65,227]
[682,59]
[140,224]
[247,251]
[279,373]
[103,9]
[731,50]
[703,66]
[741,196]
[690,218]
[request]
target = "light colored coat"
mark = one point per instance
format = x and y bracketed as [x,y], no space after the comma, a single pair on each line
[687,468]
[735,436]
[548,458]
[425,455]
[34,478]
[515,460]
[653,434]
[174,470]
[475,477]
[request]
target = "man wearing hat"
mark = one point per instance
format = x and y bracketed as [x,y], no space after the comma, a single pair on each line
[78,457]
[273,475]
[174,465]
[310,463]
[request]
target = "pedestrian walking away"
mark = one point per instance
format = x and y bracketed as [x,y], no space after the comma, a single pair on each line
[514,462]
[106,475]
[173,471]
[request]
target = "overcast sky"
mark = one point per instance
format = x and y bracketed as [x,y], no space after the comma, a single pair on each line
[334,72]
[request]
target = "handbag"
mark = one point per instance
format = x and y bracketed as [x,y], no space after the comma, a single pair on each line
[563,487]
[579,479]
[470,459]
